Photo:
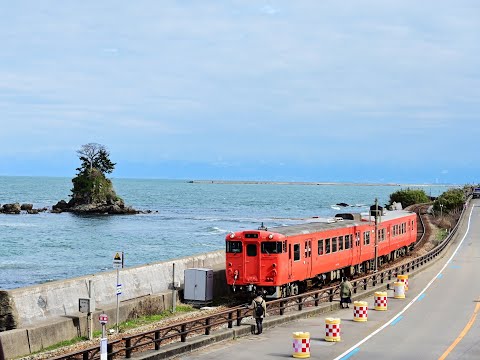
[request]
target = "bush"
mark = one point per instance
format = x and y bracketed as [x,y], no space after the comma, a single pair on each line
[452,199]
[409,197]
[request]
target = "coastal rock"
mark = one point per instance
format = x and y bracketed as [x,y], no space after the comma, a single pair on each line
[12,208]
[60,206]
[117,208]
[26,207]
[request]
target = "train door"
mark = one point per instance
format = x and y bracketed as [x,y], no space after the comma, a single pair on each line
[252,262]
[290,259]
[308,258]
[357,247]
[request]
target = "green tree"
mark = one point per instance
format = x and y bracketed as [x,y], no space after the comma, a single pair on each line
[90,186]
[452,199]
[409,197]
[93,155]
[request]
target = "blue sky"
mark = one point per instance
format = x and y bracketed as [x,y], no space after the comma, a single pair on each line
[363,91]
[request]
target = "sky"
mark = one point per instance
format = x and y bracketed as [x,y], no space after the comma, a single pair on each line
[344,91]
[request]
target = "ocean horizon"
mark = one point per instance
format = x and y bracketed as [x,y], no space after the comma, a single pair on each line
[187,217]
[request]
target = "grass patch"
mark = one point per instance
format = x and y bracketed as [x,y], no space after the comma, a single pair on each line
[440,235]
[149,319]
[62,344]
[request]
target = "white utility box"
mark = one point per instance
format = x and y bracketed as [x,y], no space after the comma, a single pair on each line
[198,284]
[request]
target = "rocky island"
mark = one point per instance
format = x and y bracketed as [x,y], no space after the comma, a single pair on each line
[92,191]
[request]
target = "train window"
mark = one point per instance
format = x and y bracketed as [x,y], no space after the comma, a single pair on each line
[271,247]
[296,252]
[381,235]
[347,242]
[308,248]
[320,247]
[251,249]
[340,243]
[327,246]
[234,247]
[284,247]
[357,238]
[334,244]
[366,238]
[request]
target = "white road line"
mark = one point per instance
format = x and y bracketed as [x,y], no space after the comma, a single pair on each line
[342,356]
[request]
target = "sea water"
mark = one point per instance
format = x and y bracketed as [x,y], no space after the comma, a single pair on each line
[185,219]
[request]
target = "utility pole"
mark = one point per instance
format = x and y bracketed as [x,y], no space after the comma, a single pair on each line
[174,292]
[375,267]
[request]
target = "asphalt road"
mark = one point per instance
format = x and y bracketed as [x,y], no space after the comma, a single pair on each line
[436,320]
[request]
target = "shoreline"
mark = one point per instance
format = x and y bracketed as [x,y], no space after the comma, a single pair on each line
[319,183]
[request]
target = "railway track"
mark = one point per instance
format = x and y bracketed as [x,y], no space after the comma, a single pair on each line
[129,344]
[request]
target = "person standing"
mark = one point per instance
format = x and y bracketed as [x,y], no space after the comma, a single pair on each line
[345,293]
[259,307]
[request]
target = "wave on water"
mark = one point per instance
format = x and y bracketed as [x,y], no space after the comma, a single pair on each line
[17,225]
[215,230]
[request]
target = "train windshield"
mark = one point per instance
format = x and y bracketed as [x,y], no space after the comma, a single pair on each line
[271,247]
[234,247]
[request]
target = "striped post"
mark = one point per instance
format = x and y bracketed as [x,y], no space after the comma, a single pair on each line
[301,345]
[381,301]
[404,279]
[332,329]
[360,311]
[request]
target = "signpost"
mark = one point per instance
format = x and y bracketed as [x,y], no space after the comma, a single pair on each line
[103,318]
[118,264]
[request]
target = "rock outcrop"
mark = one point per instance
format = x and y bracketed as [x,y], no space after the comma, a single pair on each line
[93,193]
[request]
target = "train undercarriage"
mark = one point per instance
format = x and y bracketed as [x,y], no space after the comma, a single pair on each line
[297,287]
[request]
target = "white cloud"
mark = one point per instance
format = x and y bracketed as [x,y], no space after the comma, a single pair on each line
[192,80]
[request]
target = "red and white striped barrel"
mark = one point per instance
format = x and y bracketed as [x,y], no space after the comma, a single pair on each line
[301,345]
[381,301]
[332,329]
[360,311]
[403,279]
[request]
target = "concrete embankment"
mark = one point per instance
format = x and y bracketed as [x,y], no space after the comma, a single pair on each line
[36,317]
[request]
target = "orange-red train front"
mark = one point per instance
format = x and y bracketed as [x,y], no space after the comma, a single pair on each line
[254,259]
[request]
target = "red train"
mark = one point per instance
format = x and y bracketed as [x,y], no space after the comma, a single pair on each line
[286,260]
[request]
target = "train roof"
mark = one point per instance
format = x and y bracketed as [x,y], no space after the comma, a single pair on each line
[316,226]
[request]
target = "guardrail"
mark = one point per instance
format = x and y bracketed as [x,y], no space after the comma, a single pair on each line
[180,332]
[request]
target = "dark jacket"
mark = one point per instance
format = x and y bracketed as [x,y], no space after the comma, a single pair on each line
[253,306]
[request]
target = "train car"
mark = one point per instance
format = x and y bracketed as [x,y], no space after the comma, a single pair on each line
[286,260]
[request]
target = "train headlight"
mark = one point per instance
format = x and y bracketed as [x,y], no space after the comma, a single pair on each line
[232,235]
[270,236]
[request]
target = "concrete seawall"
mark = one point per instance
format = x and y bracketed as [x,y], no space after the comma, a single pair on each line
[35,317]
